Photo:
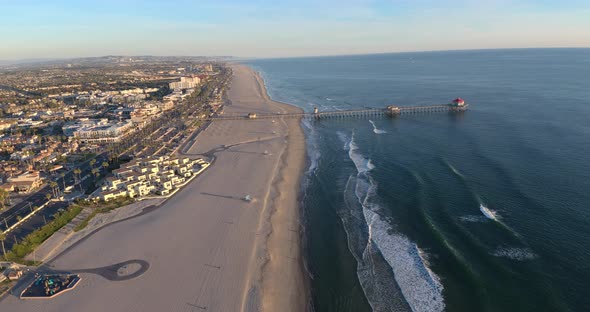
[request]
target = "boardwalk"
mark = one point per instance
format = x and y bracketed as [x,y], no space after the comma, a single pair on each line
[390,111]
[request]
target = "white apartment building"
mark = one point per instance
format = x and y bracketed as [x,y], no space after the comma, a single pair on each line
[185,83]
[103,133]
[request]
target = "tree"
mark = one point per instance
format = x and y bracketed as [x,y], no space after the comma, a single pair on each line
[3,196]
[77,172]
[63,179]
[48,196]
[92,162]
[105,165]
[2,239]
[54,188]
[95,171]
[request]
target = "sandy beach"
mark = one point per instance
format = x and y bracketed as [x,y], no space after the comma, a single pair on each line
[206,248]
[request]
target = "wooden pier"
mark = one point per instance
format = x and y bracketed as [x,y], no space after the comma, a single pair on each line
[457,105]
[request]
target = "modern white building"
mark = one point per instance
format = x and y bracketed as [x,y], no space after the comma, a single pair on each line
[185,83]
[159,175]
[97,130]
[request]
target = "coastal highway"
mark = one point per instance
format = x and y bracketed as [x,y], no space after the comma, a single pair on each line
[37,199]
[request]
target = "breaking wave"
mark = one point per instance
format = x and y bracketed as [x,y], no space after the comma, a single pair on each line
[343,139]
[375,130]
[362,164]
[421,289]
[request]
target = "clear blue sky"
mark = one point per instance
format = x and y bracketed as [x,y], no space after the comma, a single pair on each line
[255,28]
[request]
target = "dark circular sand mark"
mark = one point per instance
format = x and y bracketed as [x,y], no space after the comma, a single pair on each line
[122,271]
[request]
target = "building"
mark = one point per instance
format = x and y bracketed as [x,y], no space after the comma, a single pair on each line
[185,83]
[458,102]
[14,274]
[98,131]
[25,182]
[141,177]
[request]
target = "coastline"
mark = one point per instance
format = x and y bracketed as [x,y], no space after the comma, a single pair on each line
[285,261]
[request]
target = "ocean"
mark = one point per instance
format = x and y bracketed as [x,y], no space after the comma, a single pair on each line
[486,210]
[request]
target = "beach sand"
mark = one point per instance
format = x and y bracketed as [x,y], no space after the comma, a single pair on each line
[207,249]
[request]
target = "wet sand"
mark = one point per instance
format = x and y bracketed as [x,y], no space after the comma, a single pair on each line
[207,249]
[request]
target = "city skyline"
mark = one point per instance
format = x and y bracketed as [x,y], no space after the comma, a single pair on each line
[68,29]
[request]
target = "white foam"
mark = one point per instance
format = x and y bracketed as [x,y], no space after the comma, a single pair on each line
[472,218]
[313,150]
[375,130]
[420,287]
[329,99]
[361,163]
[343,138]
[515,253]
[489,213]
[454,169]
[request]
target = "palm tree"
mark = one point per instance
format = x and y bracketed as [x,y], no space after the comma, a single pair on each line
[48,196]
[54,188]
[63,179]
[105,165]
[92,162]
[3,196]
[95,172]
[2,239]
[77,172]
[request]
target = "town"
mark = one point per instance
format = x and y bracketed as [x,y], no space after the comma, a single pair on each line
[97,130]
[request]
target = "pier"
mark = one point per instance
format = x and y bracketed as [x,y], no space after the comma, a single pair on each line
[458,105]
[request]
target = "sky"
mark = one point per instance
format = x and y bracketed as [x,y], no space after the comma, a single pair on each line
[284,28]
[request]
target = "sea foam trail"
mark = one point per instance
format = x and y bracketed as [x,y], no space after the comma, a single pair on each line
[455,171]
[375,130]
[420,287]
[515,253]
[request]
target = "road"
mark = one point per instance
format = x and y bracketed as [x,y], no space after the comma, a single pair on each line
[37,199]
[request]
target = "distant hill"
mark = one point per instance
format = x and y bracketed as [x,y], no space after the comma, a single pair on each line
[111,59]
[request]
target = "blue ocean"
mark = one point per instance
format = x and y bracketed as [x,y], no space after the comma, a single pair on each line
[486,210]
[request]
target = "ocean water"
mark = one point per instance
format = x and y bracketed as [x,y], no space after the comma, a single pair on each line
[487,210]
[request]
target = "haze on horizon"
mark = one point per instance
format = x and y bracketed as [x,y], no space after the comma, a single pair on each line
[283,28]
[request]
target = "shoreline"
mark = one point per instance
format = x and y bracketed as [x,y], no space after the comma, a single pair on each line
[292,162]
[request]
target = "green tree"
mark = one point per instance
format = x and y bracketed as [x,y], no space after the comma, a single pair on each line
[54,189]
[63,179]
[2,239]
[95,172]
[77,172]
[48,196]
[105,165]
[3,196]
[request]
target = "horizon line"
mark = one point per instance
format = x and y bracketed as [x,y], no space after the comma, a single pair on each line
[238,58]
